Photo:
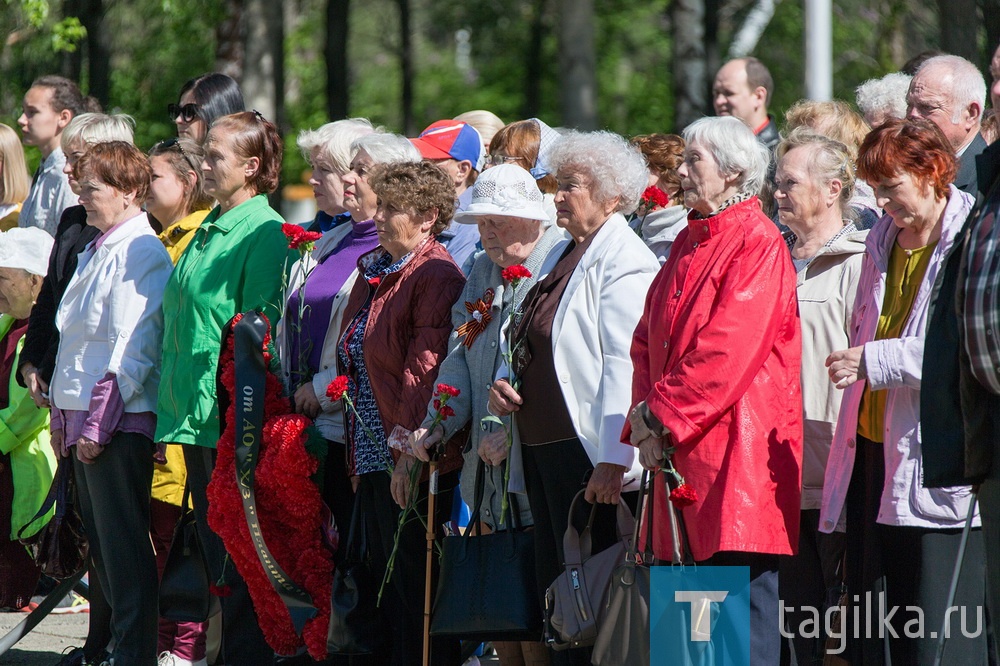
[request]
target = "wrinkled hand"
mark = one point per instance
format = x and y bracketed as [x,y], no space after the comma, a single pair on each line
[400,483]
[503,398]
[306,401]
[651,452]
[845,366]
[57,440]
[605,486]
[87,450]
[36,386]
[423,440]
[493,448]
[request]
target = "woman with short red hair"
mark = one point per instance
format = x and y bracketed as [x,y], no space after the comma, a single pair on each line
[902,537]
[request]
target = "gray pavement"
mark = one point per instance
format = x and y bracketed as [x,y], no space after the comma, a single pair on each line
[44,645]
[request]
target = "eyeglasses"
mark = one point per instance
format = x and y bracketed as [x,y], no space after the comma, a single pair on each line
[174,142]
[497,160]
[188,112]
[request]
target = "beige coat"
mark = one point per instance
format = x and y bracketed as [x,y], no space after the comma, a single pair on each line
[826,290]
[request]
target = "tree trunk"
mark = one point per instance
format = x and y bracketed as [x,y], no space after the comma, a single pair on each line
[577,64]
[690,66]
[71,64]
[991,16]
[406,66]
[98,51]
[533,70]
[752,29]
[335,53]
[959,28]
[229,54]
[263,66]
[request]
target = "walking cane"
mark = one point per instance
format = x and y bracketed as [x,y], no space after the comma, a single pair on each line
[432,481]
[943,634]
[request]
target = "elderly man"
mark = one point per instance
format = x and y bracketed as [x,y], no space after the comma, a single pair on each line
[743,89]
[457,148]
[950,92]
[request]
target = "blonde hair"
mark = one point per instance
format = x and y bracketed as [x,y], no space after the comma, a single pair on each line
[829,160]
[14,183]
[833,119]
[486,123]
[91,128]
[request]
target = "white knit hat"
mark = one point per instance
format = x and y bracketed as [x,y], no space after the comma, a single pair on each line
[506,190]
[27,248]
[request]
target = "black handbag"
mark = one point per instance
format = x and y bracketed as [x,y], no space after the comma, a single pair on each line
[60,548]
[623,638]
[356,625]
[487,583]
[185,586]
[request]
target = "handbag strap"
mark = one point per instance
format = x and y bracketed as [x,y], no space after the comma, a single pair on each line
[678,529]
[248,342]
[512,511]
[577,546]
[58,491]
[356,546]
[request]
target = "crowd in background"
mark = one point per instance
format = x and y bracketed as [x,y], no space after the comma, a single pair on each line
[803,324]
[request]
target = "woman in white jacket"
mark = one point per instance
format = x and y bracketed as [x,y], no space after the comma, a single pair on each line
[572,348]
[104,388]
[901,536]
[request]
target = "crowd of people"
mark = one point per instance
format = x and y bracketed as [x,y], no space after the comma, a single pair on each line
[802,324]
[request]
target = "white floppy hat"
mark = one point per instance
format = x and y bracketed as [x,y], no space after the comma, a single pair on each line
[26,248]
[506,190]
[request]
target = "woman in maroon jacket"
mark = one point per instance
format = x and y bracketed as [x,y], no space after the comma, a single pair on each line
[396,329]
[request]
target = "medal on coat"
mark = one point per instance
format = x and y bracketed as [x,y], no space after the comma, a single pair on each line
[481,318]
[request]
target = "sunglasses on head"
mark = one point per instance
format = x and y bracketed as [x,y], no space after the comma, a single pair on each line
[174,142]
[188,112]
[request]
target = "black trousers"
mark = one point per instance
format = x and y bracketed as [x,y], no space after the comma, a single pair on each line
[805,579]
[989,504]
[403,599]
[243,642]
[114,504]
[554,473]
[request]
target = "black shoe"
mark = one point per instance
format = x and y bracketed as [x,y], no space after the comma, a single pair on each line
[75,657]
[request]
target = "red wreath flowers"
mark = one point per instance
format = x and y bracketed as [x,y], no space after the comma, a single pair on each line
[290,513]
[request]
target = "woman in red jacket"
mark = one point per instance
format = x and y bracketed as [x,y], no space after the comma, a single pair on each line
[716,357]
[394,337]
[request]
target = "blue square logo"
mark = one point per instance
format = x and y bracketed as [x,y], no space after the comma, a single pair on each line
[699,616]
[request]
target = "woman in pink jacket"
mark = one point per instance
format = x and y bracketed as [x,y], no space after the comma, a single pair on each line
[716,357]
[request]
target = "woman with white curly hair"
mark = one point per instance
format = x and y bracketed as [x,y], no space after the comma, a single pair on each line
[571,360]
[883,99]
[716,355]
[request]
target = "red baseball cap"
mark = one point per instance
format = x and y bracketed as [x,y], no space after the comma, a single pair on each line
[450,139]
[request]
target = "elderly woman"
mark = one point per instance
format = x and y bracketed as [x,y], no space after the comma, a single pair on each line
[14,180]
[875,471]
[840,122]
[573,338]
[105,385]
[508,207]
[26,461]
[202,100]
[657,224]
[815,179]
[41,341]
[883,99]
[233,264]
[716,357]
[328,151]
[393,337]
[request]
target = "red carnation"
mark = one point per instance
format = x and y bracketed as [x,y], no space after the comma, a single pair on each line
[293,233]
[683,495]
[305,241]
[337,388]
[445,412]
[220,590]
[654,197]
[447,390]
[515,274]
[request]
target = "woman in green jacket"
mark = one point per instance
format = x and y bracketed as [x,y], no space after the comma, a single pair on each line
[27,463]
[233,264]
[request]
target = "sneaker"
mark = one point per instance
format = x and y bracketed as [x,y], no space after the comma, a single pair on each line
[75,657]
[171,659]
[73,603]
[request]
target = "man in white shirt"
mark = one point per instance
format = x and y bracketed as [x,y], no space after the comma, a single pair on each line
[49,105]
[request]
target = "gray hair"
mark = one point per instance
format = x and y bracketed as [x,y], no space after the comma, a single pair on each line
[829,160]
[616,168]
[385,148]
[91,128]
[734,147]
[332,141]
[967,83]
[886,95]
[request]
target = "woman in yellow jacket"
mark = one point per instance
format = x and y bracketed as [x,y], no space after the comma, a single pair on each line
[178,202]
[27,463]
